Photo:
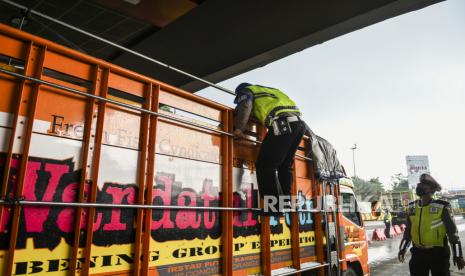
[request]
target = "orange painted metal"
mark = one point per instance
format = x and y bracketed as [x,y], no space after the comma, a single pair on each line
[144,131]
[68,65]
[127,85]
[14,47]
[16,112]
[265,237]
[86,152]
[227,198]
[95,171]
[265,245]
[339,223]
[230,185]
[319,243]
[295,238]
[37,58]
[150,179]
[22,36]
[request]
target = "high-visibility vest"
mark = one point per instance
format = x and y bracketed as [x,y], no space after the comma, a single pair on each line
[427,227]
[269,103]
[388,217]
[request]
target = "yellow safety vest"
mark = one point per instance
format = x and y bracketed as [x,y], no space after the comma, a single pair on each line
[269,103]
[427,229]
[388,218]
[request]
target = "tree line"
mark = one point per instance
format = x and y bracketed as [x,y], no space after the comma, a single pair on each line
[371,190]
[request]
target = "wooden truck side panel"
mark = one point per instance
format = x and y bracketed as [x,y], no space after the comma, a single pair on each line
[79,146]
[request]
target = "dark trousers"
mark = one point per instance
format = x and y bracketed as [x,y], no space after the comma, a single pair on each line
[275,160]
[387,230]
[435,260]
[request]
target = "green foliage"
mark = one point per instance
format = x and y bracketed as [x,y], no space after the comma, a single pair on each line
[368,190]
[399,183]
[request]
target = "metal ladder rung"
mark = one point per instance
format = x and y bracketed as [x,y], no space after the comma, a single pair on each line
[309,265]
[283,270]
[291,271]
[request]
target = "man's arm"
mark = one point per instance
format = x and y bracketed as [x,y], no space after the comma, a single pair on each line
[449,223]
[243,109]
[406,240]
[408,226]
[453,235]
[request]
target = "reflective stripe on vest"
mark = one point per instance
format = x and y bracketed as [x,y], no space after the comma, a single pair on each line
[269,103]
[427,227]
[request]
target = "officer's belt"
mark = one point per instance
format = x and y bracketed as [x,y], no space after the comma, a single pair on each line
[293,119]
[423,246]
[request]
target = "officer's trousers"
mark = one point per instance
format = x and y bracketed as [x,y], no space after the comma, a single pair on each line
[387,230]
[275,160]
[435,260]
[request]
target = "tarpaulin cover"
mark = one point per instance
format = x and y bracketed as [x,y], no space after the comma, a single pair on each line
[324,157]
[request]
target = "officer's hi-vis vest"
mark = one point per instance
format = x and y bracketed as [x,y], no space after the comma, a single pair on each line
[269,103]
[388,218]
[427,229]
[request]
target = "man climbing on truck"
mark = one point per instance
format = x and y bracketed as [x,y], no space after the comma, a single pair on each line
[276,111]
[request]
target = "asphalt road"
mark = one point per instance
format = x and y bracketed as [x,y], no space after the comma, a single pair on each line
[382,255]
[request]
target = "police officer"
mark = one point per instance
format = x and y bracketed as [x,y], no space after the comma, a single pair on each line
[387,223]
[429,225]
[277,112]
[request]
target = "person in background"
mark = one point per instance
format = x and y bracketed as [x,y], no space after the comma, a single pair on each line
[387,223]
[430,226]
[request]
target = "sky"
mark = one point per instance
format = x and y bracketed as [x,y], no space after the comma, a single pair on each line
[395,88]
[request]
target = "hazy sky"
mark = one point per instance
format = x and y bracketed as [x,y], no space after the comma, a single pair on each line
[395,88]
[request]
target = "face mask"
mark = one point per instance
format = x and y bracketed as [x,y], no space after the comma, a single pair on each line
[420,190]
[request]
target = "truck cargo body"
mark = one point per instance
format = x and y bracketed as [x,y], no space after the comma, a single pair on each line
[158,164]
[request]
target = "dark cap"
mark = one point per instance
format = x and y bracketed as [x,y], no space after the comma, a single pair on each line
[242,86]
[430,181]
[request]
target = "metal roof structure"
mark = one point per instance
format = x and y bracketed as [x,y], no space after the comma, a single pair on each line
[211,39]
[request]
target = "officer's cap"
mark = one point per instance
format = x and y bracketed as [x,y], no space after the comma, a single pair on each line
[429,180]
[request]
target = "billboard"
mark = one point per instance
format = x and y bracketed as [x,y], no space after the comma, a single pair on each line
[416,166]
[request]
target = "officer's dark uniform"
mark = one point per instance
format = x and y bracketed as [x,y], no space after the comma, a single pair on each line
[276,111]
[428,228]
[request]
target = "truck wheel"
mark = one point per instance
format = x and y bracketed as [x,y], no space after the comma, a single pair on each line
[350,272]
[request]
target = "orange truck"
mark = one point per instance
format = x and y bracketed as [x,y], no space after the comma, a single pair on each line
[108,172]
